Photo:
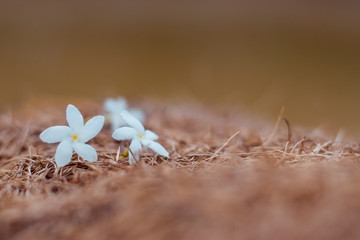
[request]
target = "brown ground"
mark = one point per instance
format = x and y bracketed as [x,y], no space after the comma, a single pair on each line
[213,187]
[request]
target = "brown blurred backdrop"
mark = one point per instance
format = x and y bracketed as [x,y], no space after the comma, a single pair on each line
[260,55]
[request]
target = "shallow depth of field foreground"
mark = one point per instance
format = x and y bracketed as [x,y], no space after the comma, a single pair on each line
[229,177]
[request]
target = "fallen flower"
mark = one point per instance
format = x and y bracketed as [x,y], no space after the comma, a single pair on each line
[115,107]
[74,137]
[139,136]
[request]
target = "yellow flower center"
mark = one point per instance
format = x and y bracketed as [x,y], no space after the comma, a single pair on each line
[141,136]
[74,137]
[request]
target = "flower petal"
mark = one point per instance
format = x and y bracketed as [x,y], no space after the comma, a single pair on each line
[74,117]
[109,105]
[116,121]
[91,128]
[85,151]
[124,133]
[138,114]
[156,147]
[150,135]
[132,121]
[134,153]
[55,134]
[63,153]
[115,105]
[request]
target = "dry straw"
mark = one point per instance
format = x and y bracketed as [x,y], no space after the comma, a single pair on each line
[227,178]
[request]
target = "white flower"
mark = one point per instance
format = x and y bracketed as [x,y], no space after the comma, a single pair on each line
[115,106]
[139,136]
[74,137]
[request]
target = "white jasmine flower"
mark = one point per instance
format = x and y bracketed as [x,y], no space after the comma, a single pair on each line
[74,137]
[139,136]
[115,106]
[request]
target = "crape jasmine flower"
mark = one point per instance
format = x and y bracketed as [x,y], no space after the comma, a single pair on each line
[74,137]
[115,107]
[139,138]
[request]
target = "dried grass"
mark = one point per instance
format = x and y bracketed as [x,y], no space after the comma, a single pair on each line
[226,179]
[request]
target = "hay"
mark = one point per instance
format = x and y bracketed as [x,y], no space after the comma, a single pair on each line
[226,179]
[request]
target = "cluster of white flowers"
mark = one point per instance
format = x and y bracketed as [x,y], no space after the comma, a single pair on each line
[127,125]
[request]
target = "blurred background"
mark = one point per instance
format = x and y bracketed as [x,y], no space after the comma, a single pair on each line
[257,55]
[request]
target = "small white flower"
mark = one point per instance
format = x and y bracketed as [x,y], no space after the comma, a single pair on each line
[139,136]
[74,137]
[115,106]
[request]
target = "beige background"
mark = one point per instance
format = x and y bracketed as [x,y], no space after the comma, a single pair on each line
[257,55]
